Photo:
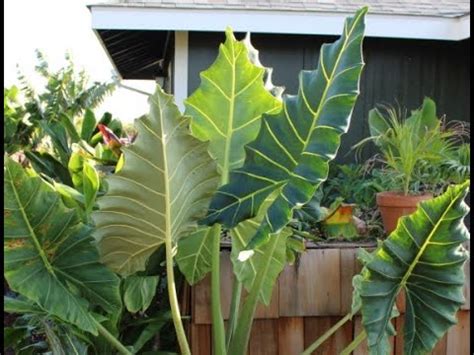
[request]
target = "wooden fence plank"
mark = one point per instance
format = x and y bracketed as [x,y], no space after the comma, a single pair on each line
[304,290]
[458,336]
[290,335]
[201,343]
[348,270]
[467,286]
[314,327]
[264,337]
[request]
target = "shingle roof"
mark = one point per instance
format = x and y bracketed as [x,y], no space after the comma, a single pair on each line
[437,8]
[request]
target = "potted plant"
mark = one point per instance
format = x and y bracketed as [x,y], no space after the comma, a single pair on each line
[414,149]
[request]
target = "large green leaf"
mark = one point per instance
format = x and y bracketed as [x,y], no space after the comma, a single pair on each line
[293,147]
[194,253]
[226,109]
[139,292]
[270,259]
[49,255]
[424,258]
[161,191]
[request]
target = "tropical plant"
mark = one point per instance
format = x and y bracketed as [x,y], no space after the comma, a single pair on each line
[411,146]
[237,88]
[423,258]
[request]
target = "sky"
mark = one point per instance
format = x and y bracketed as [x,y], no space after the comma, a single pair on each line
[57,26]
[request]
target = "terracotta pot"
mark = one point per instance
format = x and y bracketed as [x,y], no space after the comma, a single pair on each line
[393,205]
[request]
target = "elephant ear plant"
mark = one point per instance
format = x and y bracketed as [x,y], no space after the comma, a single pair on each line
[424,258]
[264,148]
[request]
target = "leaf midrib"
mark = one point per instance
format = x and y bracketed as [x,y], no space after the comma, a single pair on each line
[225,170]
[415,261]
[28,225]
[330,81]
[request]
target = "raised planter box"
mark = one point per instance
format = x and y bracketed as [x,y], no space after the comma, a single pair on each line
[307,300]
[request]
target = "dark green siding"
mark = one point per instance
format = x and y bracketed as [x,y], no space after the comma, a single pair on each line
[396,70]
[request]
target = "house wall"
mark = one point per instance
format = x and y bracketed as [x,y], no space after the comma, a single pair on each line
[396,70]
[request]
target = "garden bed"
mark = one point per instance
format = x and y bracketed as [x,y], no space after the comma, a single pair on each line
[307,300]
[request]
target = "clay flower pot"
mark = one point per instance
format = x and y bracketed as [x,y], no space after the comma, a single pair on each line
[393,205]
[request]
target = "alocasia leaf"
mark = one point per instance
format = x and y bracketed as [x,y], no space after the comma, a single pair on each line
[139,292]
[226,109]
[194,253]
[270,259]
[293,147]
[161,191]
[424,258]
[50,257]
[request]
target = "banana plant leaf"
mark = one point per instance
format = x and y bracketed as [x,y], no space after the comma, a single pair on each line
[293,147]
[163,188]
[49,254]
[423,258]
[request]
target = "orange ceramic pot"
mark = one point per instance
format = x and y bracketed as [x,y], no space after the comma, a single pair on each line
[393,205]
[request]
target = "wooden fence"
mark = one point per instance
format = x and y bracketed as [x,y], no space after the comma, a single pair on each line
[307,300]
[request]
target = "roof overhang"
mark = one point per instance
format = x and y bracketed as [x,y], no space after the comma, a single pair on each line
[289,22]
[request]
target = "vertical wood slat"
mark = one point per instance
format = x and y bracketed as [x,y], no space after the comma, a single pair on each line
[264,337]
[314,327]
[348,269]
[301,293]
[201,336]
[458,336]
[290,335]
[467,285]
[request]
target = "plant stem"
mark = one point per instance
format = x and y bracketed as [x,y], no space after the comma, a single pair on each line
[112,340]
[355,343]
[234,310]
[239,343]
[218,332]
[309,350]
[173,298]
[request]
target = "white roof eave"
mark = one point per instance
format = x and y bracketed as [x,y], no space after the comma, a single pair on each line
[287,22]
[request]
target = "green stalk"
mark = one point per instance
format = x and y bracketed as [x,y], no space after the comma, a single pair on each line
[239,342]
[112,340]
[234,310]
[355,343]
[173,298]
[218,332]
[309,350]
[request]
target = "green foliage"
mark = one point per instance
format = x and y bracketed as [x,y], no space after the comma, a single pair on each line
[261,268]
[194,253]
[49,255]
[424,259]
[158,195]
[17,129]
[293,147]
[411,147]
[226,109]
[139,292]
